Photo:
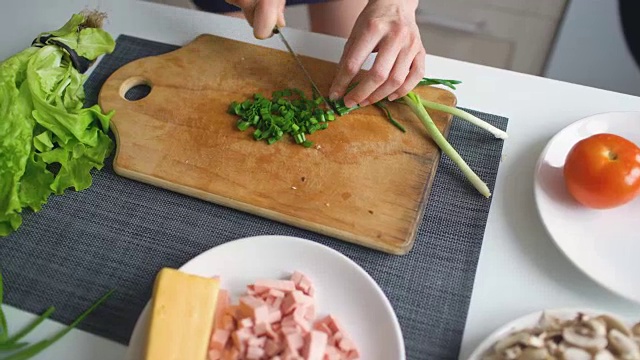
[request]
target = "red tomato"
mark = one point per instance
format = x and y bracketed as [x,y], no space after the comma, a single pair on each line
[603,171]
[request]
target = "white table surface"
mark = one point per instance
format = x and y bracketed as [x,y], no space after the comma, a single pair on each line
[520,269]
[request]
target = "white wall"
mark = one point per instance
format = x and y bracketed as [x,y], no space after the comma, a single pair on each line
[591,49]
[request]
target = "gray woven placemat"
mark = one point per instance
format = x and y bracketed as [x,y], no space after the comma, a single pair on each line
[119,233]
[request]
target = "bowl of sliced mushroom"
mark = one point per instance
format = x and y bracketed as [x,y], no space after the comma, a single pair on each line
[563,334]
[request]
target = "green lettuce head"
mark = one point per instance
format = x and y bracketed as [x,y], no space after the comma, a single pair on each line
[48,141]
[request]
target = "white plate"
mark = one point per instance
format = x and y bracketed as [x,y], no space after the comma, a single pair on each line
[343,288]
[604,244]
[529,321]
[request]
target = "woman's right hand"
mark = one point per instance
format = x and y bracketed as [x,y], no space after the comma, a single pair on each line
[262,15]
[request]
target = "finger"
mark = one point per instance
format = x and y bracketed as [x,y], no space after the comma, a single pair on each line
[397,77]
[415,75]
[281,21]
[247,7]
[355,54]
[375,77]
[265,17]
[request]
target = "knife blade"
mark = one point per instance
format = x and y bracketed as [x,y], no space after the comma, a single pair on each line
[304,70]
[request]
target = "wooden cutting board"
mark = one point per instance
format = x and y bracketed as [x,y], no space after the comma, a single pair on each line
[365,182]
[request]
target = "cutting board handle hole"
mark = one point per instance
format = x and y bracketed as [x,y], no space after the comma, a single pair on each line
[135,88]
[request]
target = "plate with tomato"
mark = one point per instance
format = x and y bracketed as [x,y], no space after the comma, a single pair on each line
[587,191]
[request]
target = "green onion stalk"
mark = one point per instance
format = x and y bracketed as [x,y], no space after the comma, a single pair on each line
[22,350]
[414,102]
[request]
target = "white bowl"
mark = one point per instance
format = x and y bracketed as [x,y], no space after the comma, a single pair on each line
[529,321]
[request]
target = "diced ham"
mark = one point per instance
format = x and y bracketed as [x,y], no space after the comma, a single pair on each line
[294,299]
[274,316]
[276,320]
[282,285]
[272,347]
[277,303]
[305,285]
[332,353]
[228,323]
[288,321]
[260,329]
[295,341]
[255,353]
[240,338]
[353,355]
[276,293]
[245,323]
[219,339]
[332,323]
[215,354]
[257,341]
[221,305]
[310,314]
[346,345]
[286,330]
[290,353]
[255,308]
[315,345]
[231,354]
[233,311]
[296,277]
[324,327]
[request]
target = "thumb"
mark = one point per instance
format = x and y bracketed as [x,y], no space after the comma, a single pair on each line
[268,14]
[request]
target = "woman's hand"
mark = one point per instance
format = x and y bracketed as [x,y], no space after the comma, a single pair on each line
[388,26]
[262,15]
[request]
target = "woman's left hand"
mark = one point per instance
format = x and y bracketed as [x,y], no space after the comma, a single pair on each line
[388,26]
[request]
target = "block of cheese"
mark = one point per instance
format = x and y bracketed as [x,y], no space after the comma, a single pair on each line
[182,316]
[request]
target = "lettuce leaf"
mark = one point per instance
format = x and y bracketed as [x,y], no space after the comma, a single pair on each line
[43,124]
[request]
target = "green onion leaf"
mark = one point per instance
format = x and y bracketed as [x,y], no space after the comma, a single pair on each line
[24,332]
[4,329]
[40,346]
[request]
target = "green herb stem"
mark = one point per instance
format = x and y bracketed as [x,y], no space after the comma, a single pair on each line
[384,108]
[40,346]
[414,102]
[466,116]
[24,332]
[12,347]
[4,330]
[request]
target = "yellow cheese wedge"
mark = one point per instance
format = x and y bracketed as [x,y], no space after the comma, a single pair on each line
[183,308]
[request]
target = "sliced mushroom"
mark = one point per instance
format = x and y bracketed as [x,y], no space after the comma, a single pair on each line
[512,353]
[549,322]
[597,326]
[604,355]
[614,323]
[573,353]
[624,346]
[584,338]
[552,347]
[521,338]
[636,329]
[534,354]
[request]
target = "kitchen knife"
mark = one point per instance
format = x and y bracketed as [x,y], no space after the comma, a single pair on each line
[306,73]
